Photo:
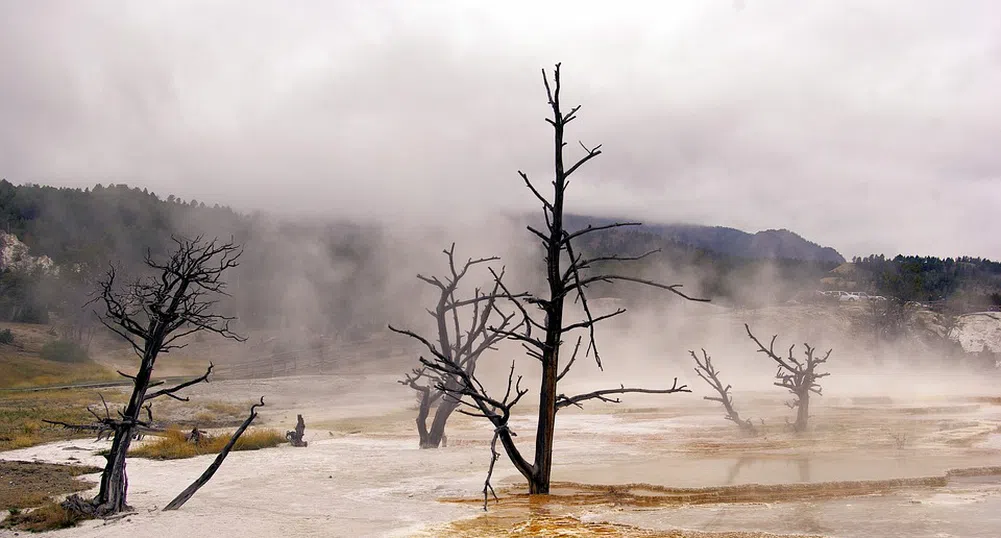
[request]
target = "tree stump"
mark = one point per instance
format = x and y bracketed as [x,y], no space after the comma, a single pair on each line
[196,436]
[295,436]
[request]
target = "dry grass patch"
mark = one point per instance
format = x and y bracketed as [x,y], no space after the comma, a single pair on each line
[20,370]
[21,365]
[21,415]
[173,444]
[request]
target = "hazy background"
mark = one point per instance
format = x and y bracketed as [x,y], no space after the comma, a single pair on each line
[866,126]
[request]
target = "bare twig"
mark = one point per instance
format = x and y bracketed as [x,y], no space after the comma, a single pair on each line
[602,395]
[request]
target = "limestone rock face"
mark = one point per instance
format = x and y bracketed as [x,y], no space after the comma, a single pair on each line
[14,256]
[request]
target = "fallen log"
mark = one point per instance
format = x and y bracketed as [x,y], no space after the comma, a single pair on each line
[207,475]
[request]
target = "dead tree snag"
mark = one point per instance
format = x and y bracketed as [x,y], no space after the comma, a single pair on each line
[207,475]
[797,376]
[707,371]
[463,334]
[153,314]
[537,321]
[295,436]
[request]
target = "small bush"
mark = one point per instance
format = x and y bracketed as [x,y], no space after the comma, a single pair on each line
[32,314]
[64,351]
[6,337]
[174,446]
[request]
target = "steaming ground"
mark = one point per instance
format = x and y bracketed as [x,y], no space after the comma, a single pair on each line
[362,474]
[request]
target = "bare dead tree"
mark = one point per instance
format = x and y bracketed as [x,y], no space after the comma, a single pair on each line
[568,275]
[797,376]
[207,475]
[463,334]
[153,314]
[707,371]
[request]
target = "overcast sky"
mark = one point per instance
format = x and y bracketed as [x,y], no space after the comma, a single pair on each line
[866,125]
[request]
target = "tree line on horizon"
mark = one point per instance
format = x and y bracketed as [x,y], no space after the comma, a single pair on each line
[81,229]
[964,283]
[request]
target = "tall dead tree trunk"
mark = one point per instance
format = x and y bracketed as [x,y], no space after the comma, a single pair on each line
[796,376]
[568,275]
[153,314]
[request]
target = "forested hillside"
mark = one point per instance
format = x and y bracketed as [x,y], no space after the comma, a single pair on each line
[732,243]
[725,278]
[966,283]
[341,277]
[286,270]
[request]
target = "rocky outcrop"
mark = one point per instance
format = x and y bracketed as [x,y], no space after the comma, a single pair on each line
[14,256]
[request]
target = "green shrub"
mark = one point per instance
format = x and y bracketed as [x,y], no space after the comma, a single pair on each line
[64,351]
[6,337]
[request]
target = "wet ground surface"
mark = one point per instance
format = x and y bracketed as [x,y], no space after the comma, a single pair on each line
[868,467]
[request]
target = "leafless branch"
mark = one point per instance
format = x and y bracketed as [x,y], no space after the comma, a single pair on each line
[602,395]
[591,229]
[170,392]
[707,371]
[673,288]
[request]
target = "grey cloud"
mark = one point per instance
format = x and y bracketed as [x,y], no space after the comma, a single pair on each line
[868,126]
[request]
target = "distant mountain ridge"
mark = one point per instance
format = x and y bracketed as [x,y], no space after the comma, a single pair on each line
[766,244]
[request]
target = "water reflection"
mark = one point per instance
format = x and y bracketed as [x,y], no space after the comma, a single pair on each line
[800,463]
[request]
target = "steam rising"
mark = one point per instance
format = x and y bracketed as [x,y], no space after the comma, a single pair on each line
[866,127]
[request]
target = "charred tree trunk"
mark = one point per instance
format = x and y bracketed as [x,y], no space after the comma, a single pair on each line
[437,433]
[423,411]
[545,433]
[802,411]
[111,498]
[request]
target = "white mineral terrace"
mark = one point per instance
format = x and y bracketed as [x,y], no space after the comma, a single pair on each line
[363,475]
